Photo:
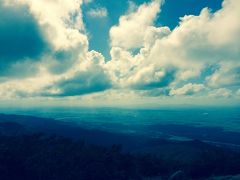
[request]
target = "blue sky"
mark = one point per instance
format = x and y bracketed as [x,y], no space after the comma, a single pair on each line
[117,53]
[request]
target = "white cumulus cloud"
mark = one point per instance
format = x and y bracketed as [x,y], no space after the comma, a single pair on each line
[130,31]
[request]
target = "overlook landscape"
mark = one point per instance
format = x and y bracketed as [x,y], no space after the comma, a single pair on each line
[119,90]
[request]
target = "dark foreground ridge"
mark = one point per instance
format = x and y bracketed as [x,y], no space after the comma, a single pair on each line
[27,154]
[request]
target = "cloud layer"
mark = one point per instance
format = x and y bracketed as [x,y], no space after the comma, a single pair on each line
[45,52]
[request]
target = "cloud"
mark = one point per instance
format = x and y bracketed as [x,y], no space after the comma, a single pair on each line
[150,78]
[67,68]
[131,29]
[90,81]
[238,92]
[62,61]
[61,21]
[227,75]
[40,34]
[29,86]
[21,40]
[190,46]
[199,57]
[89,77]
[222,92]
[190,49]
[164,92]
[99,12]
[20,35]
[88,1]
[18,70]
[187,89]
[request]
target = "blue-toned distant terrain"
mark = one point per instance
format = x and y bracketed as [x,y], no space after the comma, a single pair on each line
[104,143]
[209,123]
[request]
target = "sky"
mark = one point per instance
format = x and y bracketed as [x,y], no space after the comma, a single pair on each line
[119,53]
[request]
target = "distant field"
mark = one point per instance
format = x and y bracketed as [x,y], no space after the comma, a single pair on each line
[216,125]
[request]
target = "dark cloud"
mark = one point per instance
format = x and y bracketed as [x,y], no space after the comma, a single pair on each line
[61,61]
[159,83]
[90,81]
[157,92]
[20,37]
[18,70]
